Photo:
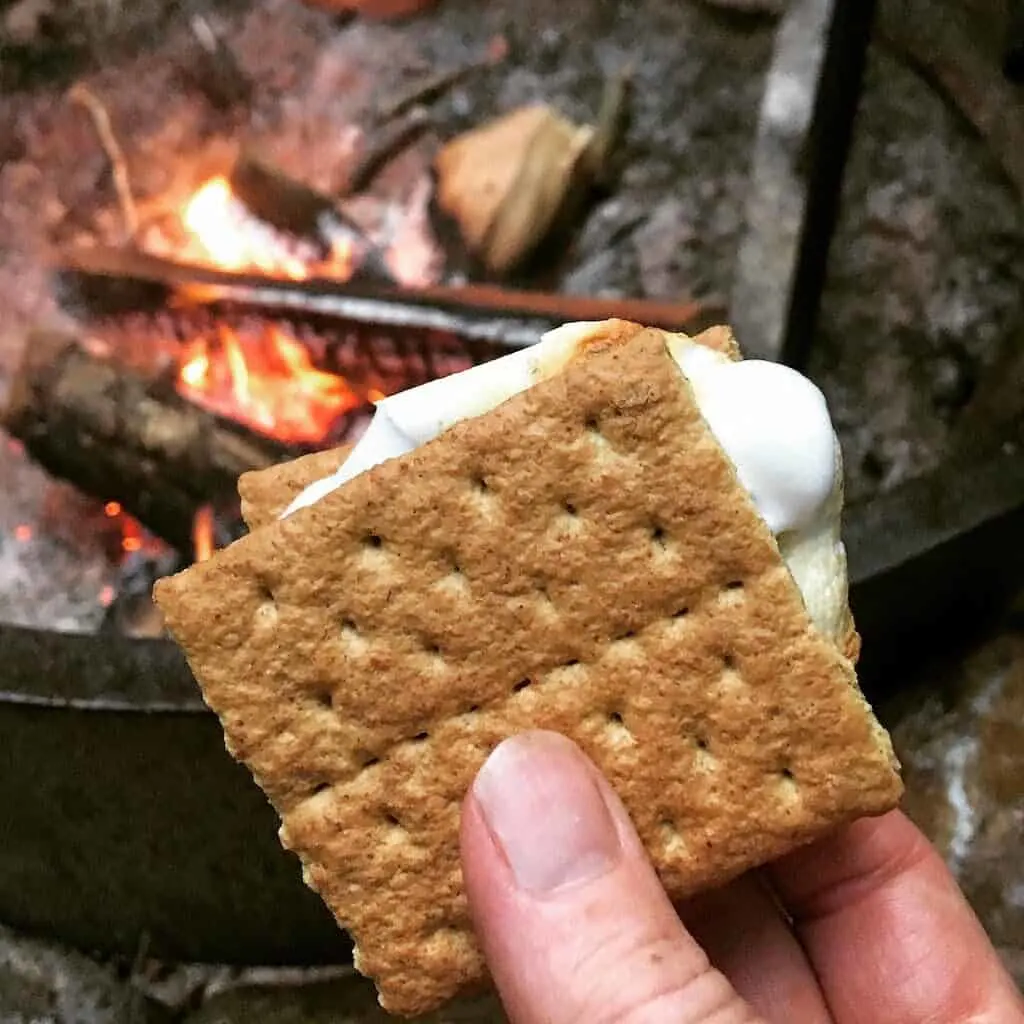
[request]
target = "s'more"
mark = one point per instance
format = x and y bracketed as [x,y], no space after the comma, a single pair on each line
[627,536]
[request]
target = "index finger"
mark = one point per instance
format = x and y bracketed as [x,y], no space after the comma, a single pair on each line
[890,936]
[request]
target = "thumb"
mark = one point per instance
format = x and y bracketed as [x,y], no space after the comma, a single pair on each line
[570,914]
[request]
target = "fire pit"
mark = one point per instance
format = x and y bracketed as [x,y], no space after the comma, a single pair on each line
[227,281]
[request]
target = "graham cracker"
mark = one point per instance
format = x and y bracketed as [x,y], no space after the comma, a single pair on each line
[581,559]
[266,493]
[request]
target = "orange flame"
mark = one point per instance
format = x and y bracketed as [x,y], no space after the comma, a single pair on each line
[203,541]
[231,238]
[267,382]
[262,378]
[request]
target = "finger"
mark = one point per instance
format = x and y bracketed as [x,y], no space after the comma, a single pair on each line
[743,933]
[572,919]
[890,936]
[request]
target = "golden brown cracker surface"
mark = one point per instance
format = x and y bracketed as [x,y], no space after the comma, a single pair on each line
[581,559]
[266,493]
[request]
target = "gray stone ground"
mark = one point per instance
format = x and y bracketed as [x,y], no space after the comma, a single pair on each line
[925,284]
[43,983]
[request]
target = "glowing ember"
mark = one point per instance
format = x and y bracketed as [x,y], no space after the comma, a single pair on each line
[203,534]
[131,535]
[266,381]
[106,596]
[231,238]
[23,533]
[127,536]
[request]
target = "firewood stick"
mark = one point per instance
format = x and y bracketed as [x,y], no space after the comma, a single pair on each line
[120,437]
[433,87]
[294,207]
[473,312]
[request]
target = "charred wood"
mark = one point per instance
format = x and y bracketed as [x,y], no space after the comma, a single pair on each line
[217,72]
[486,315]
[432,88]
[294,208]
[387,146]
[120,436]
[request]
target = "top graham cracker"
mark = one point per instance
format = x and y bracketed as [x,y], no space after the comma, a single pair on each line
[266,493]
[581,559]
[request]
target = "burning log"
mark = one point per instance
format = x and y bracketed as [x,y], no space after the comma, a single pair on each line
[119,436]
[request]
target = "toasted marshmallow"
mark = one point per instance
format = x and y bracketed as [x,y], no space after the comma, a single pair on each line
[771,421]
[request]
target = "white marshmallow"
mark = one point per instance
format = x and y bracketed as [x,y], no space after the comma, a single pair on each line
[775,427]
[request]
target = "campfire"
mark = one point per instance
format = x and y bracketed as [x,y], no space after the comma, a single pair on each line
[256,322]
[232,390]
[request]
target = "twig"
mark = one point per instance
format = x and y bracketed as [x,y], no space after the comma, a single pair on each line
[431,88]
[85,97]
[393,139]
[133,995]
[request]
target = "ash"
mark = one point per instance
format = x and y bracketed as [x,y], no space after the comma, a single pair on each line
[51,574]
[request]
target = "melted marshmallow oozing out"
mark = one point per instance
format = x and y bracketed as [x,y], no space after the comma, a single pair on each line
[771,421]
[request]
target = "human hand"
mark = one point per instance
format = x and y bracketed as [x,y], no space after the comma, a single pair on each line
[577,930]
